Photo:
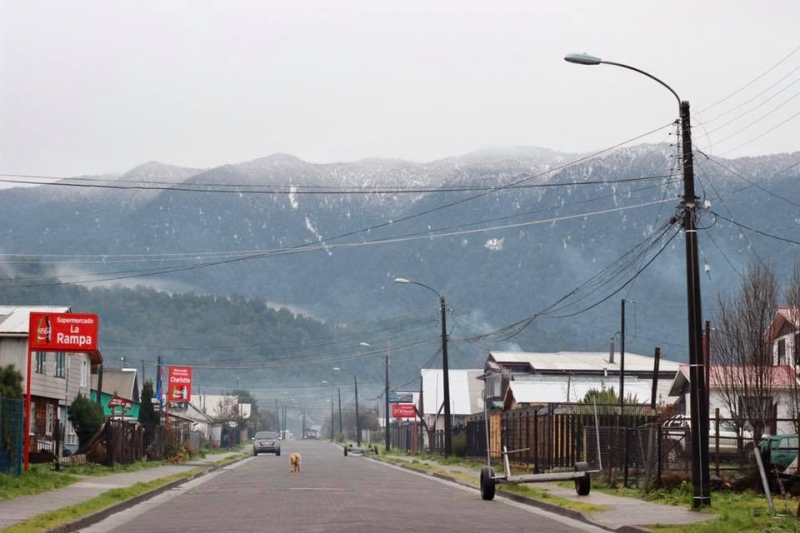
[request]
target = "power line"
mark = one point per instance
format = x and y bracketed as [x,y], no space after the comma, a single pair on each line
[746,85]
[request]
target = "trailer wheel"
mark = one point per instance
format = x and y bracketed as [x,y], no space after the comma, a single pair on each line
[345,451]
[487,483]
[583,485]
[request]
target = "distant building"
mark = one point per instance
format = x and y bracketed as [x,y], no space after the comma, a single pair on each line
[118,383]
[465,396]
[564,377]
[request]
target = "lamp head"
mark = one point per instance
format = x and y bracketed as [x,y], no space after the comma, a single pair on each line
[582,59]
[364,344]
[401,280]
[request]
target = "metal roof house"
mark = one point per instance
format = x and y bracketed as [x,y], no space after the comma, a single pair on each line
[558,370]
[120,382]
[466,395]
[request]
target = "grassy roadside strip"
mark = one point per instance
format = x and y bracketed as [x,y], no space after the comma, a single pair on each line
[734,512]
[473,480]
[107,503]
[42,477]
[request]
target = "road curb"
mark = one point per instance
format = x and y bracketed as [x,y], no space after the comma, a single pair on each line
[91,519]
[533,502]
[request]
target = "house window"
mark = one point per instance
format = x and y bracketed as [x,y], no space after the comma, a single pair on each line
[755,408]
[70,437]
[493,386]
[49,422]
[41,362]
[32,419]
[781,352]
[61,359]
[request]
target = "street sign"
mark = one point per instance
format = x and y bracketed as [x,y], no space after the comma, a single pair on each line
[116,401]
[403,410]
[401,397]
[179,388]
[62,332]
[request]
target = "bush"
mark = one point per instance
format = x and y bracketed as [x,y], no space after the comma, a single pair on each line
[460,444]
[86,417]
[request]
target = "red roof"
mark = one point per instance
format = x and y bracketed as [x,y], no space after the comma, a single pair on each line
[782,376]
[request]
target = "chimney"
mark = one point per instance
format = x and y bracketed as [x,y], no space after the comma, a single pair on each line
[611,352]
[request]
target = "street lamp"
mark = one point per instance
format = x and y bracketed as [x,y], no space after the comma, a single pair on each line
[699,401]
[358,421]
[387,439]
[448,443]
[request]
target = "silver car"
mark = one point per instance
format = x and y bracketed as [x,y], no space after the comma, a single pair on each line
[266,442]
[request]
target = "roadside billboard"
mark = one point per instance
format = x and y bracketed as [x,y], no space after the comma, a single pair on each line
[403,410]
[179,386]
[62,332]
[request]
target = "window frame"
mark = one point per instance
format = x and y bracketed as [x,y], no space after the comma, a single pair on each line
[60,365]
[40,364]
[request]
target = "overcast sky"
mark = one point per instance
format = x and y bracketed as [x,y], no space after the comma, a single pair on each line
[90,87]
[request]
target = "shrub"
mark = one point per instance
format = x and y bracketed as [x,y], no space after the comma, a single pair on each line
[86,417]
[460,444]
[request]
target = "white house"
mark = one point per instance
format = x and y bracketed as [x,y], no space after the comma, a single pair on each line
[466,393]
[784,333]
[722,391]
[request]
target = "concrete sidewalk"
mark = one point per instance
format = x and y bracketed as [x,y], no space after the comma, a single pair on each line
[24,508]
[622,514]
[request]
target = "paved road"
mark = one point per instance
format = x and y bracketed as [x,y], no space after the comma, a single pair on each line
[333,493]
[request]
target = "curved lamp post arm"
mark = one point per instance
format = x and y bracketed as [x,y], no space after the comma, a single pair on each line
[404,281]
[586,59]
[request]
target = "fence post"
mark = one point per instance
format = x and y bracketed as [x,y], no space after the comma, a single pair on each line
[716,440]
[660,457]
[626,456]
[536,442]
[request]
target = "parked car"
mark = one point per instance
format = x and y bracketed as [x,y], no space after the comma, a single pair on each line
[677,438]
[266,442]
[779,451]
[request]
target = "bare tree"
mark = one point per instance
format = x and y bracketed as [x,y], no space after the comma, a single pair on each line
[741,353]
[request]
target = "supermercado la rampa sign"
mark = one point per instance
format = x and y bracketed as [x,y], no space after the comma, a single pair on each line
[63,332]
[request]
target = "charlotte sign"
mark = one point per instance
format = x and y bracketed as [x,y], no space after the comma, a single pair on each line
[62,332]
[403,410]
[179,388]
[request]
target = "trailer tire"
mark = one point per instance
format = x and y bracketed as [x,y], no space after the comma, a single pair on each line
[487,483]
[583,485]
[345,451]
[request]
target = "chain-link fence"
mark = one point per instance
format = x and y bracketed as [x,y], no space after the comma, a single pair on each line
[11,437]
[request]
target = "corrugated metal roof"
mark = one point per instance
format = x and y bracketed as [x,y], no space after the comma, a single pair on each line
[119,382]
[556,390]
[466,391]
[577,361]
[14,320]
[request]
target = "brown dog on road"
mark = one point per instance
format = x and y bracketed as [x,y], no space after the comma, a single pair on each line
[294,462]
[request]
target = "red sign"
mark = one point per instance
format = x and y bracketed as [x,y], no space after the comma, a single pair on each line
[62,332]
[179,388]
[116,401]
[403,410]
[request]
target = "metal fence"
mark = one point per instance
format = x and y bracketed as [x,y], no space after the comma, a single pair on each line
[633,447]
[11,437]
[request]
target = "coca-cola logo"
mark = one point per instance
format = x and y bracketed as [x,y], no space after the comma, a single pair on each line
[43,330]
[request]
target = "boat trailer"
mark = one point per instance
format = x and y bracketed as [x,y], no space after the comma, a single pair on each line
[489,480]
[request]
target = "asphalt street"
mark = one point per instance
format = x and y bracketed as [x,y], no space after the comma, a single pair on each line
[332,493]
